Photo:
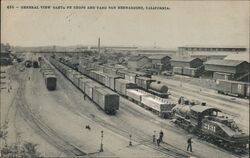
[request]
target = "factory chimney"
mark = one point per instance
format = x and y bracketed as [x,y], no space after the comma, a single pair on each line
[99,45]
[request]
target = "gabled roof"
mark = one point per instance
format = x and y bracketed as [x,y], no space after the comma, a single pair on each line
[136,58]
[187,59]
[224,62]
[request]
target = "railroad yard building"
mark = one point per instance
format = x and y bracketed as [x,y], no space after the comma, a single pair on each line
[228,69]
[186,62]
[160,62]
[209,52]
[136,62]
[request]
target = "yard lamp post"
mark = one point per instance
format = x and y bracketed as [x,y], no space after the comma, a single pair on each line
[130,141]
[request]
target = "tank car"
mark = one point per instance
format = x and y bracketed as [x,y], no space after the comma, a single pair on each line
[210,124]
[159,89]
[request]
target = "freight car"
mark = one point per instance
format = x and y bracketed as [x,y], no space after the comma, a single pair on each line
[161,107]
[100,95]
[210,124]
[48,75]
[50,81]
[240,89]
[106,99]
[159,89]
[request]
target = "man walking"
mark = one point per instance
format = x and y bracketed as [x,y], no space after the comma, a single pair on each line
[189,141]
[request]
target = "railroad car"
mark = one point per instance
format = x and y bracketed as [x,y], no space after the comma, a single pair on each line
[88,88]
[105,99]
[100,95]
[189,71]
[210,124]
[122,85]
[110,80]
[82,83]
[130,77]
[159,89]
[121,73]
[50,81]
[240,89]
[158,105]
[136,95]
[178,70]
[144,82]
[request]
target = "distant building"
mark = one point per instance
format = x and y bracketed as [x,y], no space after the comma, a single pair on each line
[137,62]
[239,56]
[5,58]
[209,52]
[160,62]
[228,69]
[186,62]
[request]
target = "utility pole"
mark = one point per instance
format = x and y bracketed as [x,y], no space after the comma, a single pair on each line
[101,148]
[99,45]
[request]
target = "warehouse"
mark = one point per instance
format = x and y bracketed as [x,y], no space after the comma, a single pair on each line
[197,50]
[186,62]
[137,62]
[228,69]
[160,62]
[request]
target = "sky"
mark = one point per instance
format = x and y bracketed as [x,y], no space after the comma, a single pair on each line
[185,23]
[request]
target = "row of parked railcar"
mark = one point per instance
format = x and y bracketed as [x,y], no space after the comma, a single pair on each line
[100,95]
[142,80]
[193,72]
[48,75]
[134,89]
[240,89]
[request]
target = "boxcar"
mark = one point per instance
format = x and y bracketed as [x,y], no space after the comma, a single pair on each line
[50,81]
[121,85]
[232,88]
[178,70]
[88,88]
[130,77]
[110,81]
[107,100]
[144,82]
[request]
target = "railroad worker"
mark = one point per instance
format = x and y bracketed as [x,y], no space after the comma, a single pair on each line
[189,141]
[154,137]
[161,136]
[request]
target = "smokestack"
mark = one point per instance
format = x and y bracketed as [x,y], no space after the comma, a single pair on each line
[99,45]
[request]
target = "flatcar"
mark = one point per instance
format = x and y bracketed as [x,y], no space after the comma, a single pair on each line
[210,124]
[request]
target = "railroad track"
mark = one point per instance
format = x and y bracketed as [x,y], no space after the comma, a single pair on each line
[165,148]
[49,134]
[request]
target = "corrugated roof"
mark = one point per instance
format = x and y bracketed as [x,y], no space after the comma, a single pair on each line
[187,59]
[224,62]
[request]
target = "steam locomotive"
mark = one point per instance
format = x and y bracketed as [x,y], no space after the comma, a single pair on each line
[211,125]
